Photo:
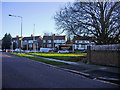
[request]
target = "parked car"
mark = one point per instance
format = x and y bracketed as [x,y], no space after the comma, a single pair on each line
[63,51]
[8,50]
[0,50]
[51,51]
[71,51]
[85,51]
[27,51]
[34,51]
[4,50]
[18,50]
[44,49]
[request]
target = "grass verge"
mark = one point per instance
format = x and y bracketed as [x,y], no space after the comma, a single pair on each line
[40,59]
[66,57]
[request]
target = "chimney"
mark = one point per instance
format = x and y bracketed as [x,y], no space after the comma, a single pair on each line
[31,35]
[17,36]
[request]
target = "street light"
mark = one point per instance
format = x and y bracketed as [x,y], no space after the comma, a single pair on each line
[21,27]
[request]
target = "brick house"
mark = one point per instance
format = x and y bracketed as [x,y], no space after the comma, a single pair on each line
[28,43]
[81,43]
[53,41]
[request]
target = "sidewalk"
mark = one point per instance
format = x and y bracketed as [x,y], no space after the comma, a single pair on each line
[89,70]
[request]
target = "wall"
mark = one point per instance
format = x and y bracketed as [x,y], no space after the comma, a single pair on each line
[104,54]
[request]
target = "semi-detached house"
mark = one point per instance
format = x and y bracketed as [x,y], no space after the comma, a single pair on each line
[53,41]
[28,43]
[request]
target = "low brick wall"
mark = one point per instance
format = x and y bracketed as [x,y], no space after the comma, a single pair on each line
[104,57]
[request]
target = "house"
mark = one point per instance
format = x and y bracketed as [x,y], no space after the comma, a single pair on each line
[81,43]
[28,43]
[53,41]
[17,41]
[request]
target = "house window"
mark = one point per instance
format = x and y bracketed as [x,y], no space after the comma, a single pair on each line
[48,45]
[30,41]
[44,41]
[83,41]
[75,41]
[80,41]
[25,40]
[63,41]
[14,40]
[30,45]
[82,46]
[49,41]
[55,41]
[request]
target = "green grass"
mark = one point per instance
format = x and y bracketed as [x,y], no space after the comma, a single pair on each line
[60,56]
[40,59]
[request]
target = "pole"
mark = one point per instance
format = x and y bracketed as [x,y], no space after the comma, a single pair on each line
[21,35]
[34,39]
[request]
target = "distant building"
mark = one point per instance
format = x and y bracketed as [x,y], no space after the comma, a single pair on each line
[28,43]
[81,43]
[53,41]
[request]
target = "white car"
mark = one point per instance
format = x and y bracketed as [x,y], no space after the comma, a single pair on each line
[27,51]
[0,50]
[63,51]
[18,50]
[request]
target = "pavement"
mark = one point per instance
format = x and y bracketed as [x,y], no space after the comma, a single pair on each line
[98,72]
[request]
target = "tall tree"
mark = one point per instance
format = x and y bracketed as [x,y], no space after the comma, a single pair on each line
[6,41]
[100,20]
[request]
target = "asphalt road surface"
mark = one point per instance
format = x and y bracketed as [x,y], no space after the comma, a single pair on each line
[19,72]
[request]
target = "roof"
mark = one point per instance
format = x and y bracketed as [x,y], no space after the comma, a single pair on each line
[27,38]
[55,37]
[82,38]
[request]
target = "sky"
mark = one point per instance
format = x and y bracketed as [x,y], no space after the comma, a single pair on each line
[39,13]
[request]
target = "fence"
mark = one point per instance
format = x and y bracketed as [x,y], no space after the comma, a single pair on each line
[104,54]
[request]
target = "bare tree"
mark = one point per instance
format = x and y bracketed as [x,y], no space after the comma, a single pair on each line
[100,20]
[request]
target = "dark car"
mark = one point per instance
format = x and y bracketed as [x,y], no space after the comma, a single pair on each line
[4,50]
[51,51]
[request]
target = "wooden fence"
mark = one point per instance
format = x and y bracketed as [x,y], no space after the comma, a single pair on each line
[104,54]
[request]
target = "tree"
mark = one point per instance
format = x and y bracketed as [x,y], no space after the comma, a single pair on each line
[6,41]
[14,45]
[100,20]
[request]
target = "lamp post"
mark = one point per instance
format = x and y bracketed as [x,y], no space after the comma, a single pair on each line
[21,28]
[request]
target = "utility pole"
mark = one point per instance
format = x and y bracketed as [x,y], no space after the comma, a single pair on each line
[34,39]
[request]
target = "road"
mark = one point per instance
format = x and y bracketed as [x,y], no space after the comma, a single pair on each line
[19,72]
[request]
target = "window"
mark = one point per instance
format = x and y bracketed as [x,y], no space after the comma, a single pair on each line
[48,45]
[83,41]
[14,40]
[82,46]
[80,41]
[44,41]
[30,45]
[25,40]
[75,41]
[63,41]
[30,41]
[49,41]
[55,41]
